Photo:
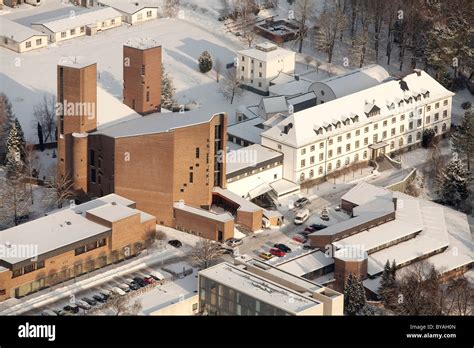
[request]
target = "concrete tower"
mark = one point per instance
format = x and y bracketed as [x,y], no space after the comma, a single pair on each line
[76,116]
[142,75]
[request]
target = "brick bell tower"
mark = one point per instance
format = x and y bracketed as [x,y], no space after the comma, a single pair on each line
[142,75]
[76,116]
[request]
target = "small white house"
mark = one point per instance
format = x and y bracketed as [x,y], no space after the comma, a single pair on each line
[133,12]
[256,67]
[19,38]
[87,22]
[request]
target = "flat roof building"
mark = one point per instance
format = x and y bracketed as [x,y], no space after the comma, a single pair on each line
[70,242]
[251,287]
[133,12]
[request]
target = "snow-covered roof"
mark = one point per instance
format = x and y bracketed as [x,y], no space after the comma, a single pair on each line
[15,31]
[356,80]
[267,53]
[291,88]
[83,18]
[142,43]
[64,227]
[248,130]
[304,122]
[283,187]
[204,213]
[259,287]
[307,263]
[112,213]
[244,205]
[364,193]
[128,6]
[155,123]
[272,105]
[249,157]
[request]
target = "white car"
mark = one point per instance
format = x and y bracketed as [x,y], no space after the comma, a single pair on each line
[301,217]
[124,287]
[118,291]
[83,304]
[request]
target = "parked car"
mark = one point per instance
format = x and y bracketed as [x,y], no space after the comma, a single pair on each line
[157,276]
[318,227]
[100,298]
[233,242]
[277,252]
[89,301]
[118,291]
[105,293]
[176,243]
[266,256]
[72,308]
[301,217]
[310,229]
[149,280]
[134,286]
[299,238]
[83,304]
[140,281]
[59,312]
[300,203]
[325,214]
[283,248]
[337,208]
[48,313]
[124,287]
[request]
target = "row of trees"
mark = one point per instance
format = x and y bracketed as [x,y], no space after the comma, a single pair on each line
[435,34]
[421,291]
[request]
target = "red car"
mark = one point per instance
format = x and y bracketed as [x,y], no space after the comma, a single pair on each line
[148,280]
[299,238]
[277,252]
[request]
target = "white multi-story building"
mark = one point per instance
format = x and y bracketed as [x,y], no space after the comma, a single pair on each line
[359,127]
[87,22]
[133,12]
[256,67]
[19,38]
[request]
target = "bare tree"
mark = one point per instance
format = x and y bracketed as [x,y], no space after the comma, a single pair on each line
[218,68]
[45,114]
[205,252]
[303,10]
[29,167]
[460,297]
[330,24]
[377,14]
[61,189]
[170,8]
[230,86]
[121,305]
[14,198]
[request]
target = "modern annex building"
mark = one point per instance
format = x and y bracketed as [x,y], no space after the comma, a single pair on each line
[252,287]
[69,243]
[20,38]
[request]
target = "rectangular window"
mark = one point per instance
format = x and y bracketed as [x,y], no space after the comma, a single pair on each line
[80,250]
[311,160]
[418,123]
[93,175]
[143,69]
[197,152]
[436,116]
[82,30]
[38,42]
[366,141]
[28,44]
[339,150]
[63,34]
[312,148]
[112,21]
[384,134]
[357,144]
[29,268]
[329,153]
[402,128]
[191,177]
[147,96]
[303,151]
[393,131]
[148,13]
[102,242]
[445,102]
[330,141]
[348,147]
[402,118]
[437,106]
[40,264]
[428,108]
[73,31]
[321,156]
[366,130]
[376,126]
[303,163]
[357,132]
[445,113]
[394,119]
[321,145]
[16,273]
[427,120]
[348,135]
[385,123]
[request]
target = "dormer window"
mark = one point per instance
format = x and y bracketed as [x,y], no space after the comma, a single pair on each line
[400,103]
[355,118]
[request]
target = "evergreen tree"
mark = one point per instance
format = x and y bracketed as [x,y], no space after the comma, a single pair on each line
[463,139]
[15,152]
[205,62]
[453,188]
[387,285]
[354,295]
[167,90]
[7,118]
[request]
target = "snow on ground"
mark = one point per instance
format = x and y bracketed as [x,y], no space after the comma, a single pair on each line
[182,43]
[460,97]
